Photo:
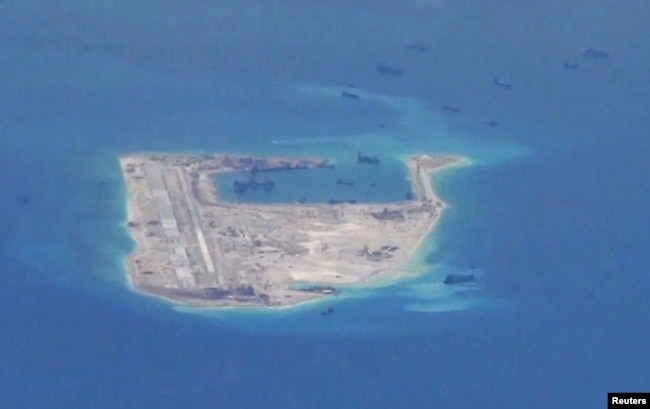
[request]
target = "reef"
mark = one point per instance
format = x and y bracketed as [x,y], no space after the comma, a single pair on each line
[199,250]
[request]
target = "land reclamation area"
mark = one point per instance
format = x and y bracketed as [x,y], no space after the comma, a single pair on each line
[198,249]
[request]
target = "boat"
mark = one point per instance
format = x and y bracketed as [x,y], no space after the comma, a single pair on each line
[452,109]
[459,279]
[502,84]
[389,70]
[240,187]
[417,47]
[327,312]
[570,65]
[323,289]
[596,54]
[341,201]
[371,159]
[349,95]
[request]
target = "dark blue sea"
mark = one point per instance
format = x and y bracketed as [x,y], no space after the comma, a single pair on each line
[552,209]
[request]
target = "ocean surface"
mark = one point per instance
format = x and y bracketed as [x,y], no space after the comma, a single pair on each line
[552,210]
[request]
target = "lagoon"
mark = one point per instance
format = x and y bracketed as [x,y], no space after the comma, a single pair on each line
[383,183]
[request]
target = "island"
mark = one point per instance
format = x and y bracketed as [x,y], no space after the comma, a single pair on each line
[196,249]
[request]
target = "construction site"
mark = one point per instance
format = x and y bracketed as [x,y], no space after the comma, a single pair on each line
[196,249]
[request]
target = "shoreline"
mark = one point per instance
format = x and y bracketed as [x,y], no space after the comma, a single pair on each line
[455,161]
[420,169]
[459,161]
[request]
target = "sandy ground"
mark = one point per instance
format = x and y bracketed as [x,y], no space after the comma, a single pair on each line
[194,249]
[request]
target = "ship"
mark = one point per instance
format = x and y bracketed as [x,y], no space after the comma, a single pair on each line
[417,47]
[570,65]
[389,70]
[323,289]
[491,123]
[452,109]
[502,84]
[459,279]
[327,312]
[596,54]
[341,201]
[349,95]
[371,159]
[240,187]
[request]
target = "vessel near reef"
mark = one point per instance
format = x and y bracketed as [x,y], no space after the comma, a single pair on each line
[252,184]
[459,279]
[370,159]
[389,70]
[322,289]
[349,95]
[341,201]
[327,312]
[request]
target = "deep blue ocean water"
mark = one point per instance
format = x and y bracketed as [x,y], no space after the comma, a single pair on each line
[552,211]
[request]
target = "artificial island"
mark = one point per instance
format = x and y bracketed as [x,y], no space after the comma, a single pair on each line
[195,248]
